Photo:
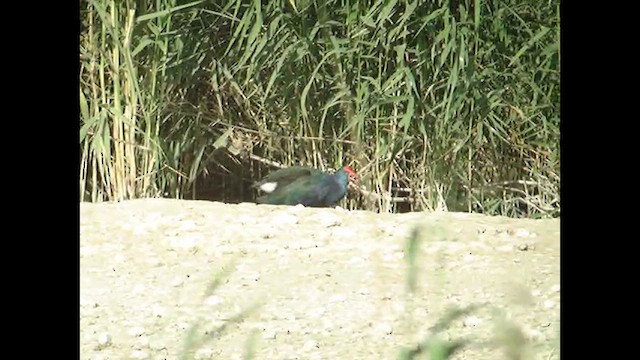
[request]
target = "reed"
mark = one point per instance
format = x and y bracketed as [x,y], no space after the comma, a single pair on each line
[439,105]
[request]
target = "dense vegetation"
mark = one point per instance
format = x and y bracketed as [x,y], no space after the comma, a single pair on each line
[437,104]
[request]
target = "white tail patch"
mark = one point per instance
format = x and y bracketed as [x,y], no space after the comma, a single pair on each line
[269,187]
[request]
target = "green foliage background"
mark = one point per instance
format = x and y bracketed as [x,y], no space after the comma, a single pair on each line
[436,104]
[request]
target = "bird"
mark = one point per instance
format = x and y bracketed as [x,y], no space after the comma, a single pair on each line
[284,177]
[318,189]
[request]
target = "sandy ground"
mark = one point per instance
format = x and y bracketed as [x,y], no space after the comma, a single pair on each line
[309,283]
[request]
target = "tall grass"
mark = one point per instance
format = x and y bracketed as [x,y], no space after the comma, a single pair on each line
[444,104]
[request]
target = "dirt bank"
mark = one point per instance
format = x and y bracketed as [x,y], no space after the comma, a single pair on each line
[329,284]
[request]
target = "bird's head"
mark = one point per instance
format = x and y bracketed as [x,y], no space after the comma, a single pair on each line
[353,177]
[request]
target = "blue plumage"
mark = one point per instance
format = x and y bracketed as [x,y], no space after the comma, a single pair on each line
[284,177]
[316,190]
